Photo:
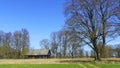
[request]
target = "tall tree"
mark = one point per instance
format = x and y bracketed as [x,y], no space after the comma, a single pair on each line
[21,42]
[25,41]
[54,43]
[8,44]
[74,41]
[18,43]
[94,20]
[64,37]
[60,45]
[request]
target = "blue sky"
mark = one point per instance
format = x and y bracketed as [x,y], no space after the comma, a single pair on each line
[39,17]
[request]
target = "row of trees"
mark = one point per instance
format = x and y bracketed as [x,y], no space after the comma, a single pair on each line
[64,44]
[14,45]
[88,22]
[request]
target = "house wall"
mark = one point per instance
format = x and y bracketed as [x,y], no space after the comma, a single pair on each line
[37,56]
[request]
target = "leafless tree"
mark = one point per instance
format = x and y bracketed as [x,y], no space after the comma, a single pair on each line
[65,43]
[25,41]
[45,43]
[93,20]
[14,45]
[116,50]
[54,44]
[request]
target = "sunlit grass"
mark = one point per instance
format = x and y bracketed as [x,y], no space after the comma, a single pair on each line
[59,66]
[108,65]
[39,66]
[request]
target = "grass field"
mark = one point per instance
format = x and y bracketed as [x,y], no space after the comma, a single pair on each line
[40,66]
[60,63]
[59,66]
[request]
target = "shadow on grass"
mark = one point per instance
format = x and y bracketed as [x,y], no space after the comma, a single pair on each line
[88,61]
[75,61]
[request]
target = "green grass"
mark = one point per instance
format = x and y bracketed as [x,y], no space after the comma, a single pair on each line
[59,66]
[86,65]
[108,65]
[39,66]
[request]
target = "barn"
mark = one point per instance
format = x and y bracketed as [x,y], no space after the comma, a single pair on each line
[38,53]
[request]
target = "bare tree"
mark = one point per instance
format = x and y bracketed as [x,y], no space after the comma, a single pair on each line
[57,43]
[116,50]
[60,43]
[25,41]
[45,44]
[21,42]
[5,48]
[74,42]
[14,45]
[93,20]
[54,43]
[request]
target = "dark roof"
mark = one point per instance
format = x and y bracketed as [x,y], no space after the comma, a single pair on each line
[39,52]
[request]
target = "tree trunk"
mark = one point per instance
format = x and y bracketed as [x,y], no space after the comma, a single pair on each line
[97,56]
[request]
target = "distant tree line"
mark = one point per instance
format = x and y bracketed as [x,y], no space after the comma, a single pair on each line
[14,45]
[64,44]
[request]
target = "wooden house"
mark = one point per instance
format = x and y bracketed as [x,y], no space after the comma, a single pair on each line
[38,53]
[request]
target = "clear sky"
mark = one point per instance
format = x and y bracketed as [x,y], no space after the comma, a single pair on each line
[39,17]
